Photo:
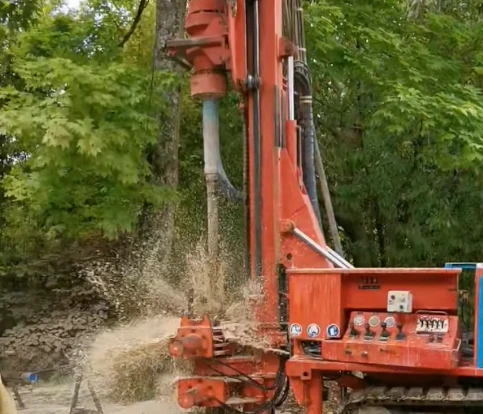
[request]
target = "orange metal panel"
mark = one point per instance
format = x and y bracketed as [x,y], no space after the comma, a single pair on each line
[237,44]
[295,206]
[418,350]
[315,300]
[367,289]
[206,392]
[434,291]
[297,366]
[478,328]
[397,271]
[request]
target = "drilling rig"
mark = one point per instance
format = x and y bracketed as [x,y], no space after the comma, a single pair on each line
[392,338]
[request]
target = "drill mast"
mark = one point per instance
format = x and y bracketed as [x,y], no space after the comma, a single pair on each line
[323,318]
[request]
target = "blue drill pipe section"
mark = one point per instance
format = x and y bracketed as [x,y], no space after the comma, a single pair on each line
[30,377]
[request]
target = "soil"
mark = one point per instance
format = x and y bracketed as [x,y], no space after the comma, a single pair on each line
[55,399]
[129,358]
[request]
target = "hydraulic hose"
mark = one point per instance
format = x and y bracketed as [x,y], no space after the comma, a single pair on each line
[253,70]
[308,160]
[304,86]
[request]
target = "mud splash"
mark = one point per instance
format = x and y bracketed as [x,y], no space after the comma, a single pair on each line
[130,362]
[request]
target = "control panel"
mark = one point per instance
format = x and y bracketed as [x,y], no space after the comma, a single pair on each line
[400,301]
[432,324]
[424,340]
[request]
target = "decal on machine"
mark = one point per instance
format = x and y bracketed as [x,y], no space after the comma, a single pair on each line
[295,329]
[313,330]
[332,331]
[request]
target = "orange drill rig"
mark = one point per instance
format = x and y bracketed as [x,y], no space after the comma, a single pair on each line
[391,338]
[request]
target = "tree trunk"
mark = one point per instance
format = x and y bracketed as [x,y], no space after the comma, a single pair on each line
[361,242]
[133,276]
[157,231]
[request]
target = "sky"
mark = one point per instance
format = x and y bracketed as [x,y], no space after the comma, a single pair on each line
[73,4]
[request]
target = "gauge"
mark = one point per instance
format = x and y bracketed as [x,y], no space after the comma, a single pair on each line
[374,320]
[359,320]
[389,321]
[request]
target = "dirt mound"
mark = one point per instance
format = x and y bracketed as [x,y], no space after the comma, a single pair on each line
[129,363]
[45,329]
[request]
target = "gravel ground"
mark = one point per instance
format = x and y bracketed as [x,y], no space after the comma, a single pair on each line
[55,399]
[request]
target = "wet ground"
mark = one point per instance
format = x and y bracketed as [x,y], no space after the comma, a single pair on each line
[55,399]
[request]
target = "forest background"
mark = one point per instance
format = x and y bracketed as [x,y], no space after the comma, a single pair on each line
[101,163]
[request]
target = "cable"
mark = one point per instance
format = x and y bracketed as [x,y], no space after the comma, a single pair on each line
[279,375]
[280,386]
[268,406]
[284,396]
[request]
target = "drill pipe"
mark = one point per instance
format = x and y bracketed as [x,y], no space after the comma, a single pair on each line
[215,178]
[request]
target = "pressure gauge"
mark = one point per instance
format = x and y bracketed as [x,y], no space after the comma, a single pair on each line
[359,320]
[374,320]
[389,321]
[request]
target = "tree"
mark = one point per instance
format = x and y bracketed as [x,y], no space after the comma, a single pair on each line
[400,119]
[157,227]
[77,117]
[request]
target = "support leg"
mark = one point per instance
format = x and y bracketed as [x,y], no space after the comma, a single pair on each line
[308,391]
[75,396]
[313,394]
[95,398]
[18,398]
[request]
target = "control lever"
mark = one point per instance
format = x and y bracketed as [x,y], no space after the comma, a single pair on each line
[384,334]
[368,334]
[400,334]
[353,333]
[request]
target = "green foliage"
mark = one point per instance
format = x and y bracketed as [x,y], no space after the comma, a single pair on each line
[85,130]
[17,14]
[399,112]
[79,116]
[400,120]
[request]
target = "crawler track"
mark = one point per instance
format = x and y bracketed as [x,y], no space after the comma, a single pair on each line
[413,399]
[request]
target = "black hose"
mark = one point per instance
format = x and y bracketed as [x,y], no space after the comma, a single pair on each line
[281,387]
[279,392]
[308,161]
[278,376]
[228,190]
[303,86]
[253,69]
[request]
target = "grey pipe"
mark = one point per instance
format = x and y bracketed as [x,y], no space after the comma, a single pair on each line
[212,155]
[334,258]
[329,209]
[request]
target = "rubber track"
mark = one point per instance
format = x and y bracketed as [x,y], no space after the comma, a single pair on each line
[393,397]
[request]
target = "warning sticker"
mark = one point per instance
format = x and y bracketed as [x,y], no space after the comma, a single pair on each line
[295,329]
[313,330]
[332,331]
